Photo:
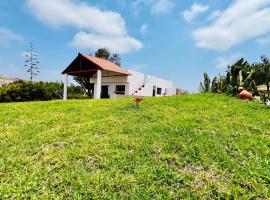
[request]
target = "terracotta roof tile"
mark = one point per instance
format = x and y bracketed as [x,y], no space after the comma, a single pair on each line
[106,65]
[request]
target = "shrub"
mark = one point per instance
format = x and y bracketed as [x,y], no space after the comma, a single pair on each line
[35,91]
[77,96]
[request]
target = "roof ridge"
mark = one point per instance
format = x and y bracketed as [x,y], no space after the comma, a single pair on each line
[95,57]
[105,64]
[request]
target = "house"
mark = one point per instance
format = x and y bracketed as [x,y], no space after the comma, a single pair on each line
[112,81]
[7,80]
[262,88]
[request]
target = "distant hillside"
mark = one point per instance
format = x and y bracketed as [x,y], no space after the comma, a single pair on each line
[184,147]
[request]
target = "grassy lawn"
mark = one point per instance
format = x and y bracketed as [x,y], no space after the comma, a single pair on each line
[187,147]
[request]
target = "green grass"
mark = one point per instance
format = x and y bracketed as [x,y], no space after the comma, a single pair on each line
[186,147]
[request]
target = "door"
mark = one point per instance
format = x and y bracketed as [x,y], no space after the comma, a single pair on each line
[105,92]
[154,91]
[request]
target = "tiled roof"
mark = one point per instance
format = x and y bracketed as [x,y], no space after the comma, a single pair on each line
[106,65]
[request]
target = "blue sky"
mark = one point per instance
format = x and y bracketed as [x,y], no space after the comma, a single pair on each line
[173,39]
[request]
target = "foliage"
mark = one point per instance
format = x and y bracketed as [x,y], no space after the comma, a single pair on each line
[77,96]
[84,82]
[75,89]
[218,84]
[115,58]
[34,91]
[106,54]
[263,72]
[103,53]
[241,75]
[205,86]
[182,147]
[31,62]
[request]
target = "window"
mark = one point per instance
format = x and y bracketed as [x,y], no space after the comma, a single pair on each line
[159,91]
[120,89]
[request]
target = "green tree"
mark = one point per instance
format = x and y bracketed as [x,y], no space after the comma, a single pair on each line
[103,53]
[205,86]
[106,54]
[218,84]
[115,58]
[84,82]
[262,76]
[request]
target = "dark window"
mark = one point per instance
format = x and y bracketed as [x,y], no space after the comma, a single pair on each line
[120,89]
[159,91]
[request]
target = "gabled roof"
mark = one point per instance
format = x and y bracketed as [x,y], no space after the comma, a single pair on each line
[106,64]
[85,63]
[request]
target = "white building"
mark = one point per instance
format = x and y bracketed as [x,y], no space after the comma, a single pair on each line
[112,81]
[7,80]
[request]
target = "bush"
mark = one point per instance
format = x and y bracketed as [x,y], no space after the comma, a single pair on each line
[35,91]
[77,96]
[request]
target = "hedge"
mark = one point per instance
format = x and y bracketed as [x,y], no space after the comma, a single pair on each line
[35,91]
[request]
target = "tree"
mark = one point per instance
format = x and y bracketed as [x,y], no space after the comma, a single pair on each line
[31,62]
[218,84]
[262,77]
[106,54]
[100,53]
[115,58]
[206,85]
[239,75]
[103,53]
[88,87]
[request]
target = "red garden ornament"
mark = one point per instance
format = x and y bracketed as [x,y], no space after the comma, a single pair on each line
[246,95]
[138,101]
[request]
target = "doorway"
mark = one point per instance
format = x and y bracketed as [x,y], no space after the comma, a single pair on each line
[154,91]
[105,92]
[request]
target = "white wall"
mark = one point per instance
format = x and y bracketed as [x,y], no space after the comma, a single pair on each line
[152,81]
[133,82]
[110,77]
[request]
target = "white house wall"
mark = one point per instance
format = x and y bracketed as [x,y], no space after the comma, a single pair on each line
[135,80]
[152,81]
[110,77]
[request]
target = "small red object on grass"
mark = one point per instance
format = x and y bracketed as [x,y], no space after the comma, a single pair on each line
[138,101]
[246,95]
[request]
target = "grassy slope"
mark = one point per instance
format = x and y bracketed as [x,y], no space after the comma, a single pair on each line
[194,146]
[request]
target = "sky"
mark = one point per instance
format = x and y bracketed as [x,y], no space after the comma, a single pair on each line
[176,40]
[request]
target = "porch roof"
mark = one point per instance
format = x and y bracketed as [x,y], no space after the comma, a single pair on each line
[86,65]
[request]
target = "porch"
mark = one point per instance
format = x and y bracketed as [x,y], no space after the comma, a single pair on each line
[103,74]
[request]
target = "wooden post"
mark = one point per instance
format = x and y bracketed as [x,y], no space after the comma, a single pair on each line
[98,85]
[65,86]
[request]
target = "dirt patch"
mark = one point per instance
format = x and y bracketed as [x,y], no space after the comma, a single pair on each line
[205,178]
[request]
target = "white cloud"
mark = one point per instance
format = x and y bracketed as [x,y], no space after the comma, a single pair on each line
[161,6]
[87,19]
[195,11]
[7,36]
[156,6]
[223,62]
[118,44]
[241,21]
[264,40]
[214,15]
[144,29]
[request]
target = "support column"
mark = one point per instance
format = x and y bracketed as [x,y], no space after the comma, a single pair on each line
[65,86]
[98,85]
